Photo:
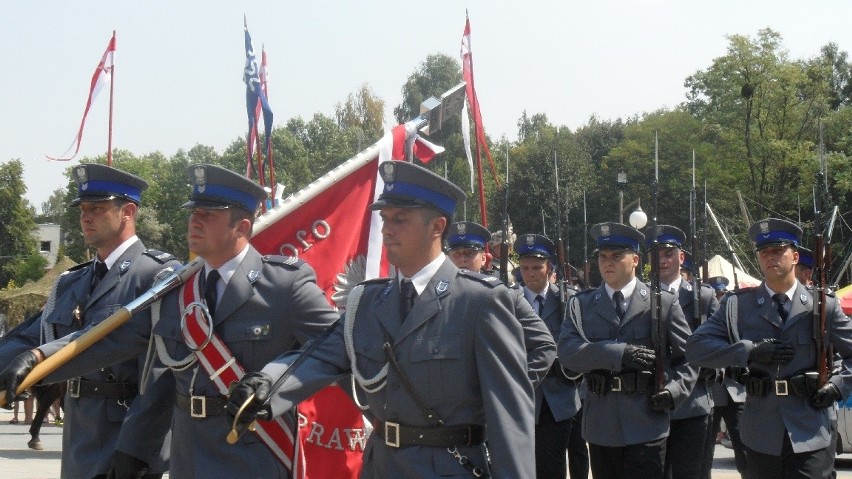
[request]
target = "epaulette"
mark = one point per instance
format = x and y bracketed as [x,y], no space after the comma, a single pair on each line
[491,281]
[290,261]
[77,267]
[160,256]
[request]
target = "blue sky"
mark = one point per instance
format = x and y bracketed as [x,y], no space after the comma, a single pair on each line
[178,77]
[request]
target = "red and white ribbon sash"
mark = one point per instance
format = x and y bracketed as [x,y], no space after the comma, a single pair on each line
[223,369]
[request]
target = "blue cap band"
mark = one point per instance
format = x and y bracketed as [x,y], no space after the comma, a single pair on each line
[108,188]
[665,239]
[615,240]
[461,240]
[245,200]
[778,237]
[417,192]
[536,248]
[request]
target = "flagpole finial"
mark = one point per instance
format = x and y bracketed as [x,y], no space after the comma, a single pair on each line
[245,22]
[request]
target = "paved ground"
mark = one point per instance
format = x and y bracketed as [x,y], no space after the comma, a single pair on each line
[19,462]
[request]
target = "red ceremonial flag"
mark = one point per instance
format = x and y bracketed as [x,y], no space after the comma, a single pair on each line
[481,143]
[422,149]
[328,224]
[102,76]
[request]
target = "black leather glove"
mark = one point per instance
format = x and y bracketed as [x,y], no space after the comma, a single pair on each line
[125,466]
[771,351]
[639,358]
[662,401]
[258,384]
[14,374]
[825,396]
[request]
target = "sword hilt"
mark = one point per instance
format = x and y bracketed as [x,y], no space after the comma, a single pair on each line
[238,429]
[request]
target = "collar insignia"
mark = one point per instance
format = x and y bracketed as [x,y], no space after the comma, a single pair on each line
[760,301]
[124,266]
[253,275]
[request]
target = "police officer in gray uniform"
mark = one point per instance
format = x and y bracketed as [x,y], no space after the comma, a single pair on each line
[436,353]
[556,399]
[608,335]
[259,305]
[466,249]
[789,422]
[103,426]
[691,420]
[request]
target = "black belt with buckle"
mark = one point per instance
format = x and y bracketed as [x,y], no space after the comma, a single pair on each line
[201,407]
[79,387]
[400,435]
[603,382]
[801,385]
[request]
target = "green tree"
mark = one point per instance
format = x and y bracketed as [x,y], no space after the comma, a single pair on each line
[362,111]
[767,109]
[31,268]
[17,227]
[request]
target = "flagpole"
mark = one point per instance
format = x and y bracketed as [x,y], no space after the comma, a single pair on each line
[111,85]
[272,183]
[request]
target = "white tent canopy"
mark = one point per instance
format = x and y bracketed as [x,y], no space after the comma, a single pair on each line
[719,266]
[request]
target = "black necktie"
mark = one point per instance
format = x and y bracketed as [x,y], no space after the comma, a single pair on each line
[407,295]
[100,272]
[618,297]
[210,294]
[539,299]
[780,299]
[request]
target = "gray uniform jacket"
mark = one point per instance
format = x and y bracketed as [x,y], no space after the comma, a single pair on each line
[95,426]
[700,401]
[560,392]
[270,305]
[593,338]
[538,340]
[765,419]
[462,350]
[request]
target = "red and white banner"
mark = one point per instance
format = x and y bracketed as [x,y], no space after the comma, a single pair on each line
[473,101]
[328,224]
[101,77]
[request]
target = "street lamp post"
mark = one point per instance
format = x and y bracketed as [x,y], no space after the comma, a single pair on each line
[621,180]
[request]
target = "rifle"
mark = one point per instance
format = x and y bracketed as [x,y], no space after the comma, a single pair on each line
[560,246]
[504,244]
[96,333]
[586,268]
[657,323]
[693,236]
[819,314]
[705,261]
